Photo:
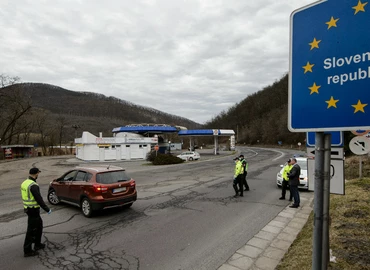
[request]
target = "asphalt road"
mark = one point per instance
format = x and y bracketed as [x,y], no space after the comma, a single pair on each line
[185,216]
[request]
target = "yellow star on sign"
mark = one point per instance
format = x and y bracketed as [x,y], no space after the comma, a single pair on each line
[332,102]
[314,43]
[308,67]
[359,107]
[314,88]
[360,7]
[332,22]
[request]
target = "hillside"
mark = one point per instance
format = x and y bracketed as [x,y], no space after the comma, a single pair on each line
[56,110]
[261,118]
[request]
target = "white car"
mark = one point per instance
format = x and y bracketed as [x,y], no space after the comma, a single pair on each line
[303,180]
[189,155]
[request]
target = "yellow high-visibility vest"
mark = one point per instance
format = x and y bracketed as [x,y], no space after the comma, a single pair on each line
[27,196]
[286,169]
[238,168]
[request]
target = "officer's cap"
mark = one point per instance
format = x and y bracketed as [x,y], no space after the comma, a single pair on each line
[34,171]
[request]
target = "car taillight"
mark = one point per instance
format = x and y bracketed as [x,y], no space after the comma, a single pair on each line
[132,184]
[99,188]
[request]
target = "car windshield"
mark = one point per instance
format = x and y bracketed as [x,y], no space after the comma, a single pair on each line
[112,177]
[302,164]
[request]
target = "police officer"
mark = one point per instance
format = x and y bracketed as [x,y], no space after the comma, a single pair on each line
[32,201]
[245,168]
[285,182]
[238,177]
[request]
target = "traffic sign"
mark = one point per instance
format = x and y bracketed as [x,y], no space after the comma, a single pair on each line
[336,138]
[360,132]
[335,153]
[336,176]
[329,72]
[360,145]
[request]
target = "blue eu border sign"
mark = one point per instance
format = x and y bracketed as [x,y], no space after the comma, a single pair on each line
[329,75]
[336,138]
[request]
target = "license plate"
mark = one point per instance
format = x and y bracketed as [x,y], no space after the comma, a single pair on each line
[119,189]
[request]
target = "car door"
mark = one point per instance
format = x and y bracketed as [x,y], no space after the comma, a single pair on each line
[63,183]
[77,186]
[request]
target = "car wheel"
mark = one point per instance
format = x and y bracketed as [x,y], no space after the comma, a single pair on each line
[278,186]
[53,198]
[86,207]
[190,158]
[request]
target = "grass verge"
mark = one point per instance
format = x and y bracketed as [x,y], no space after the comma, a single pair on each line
[349,230]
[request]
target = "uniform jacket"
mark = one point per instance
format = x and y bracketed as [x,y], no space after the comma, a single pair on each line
[238,169]
[35,190]
[245,165]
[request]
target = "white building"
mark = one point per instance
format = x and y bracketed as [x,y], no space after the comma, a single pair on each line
[124,146]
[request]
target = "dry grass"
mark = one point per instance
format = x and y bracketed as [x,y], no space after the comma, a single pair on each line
[352,165]
[349,229]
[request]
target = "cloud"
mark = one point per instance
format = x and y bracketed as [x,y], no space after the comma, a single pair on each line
[189,58]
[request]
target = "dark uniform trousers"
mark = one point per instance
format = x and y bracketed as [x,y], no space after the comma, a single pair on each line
[245,180]
[238,182]
[284,185]
[34,229]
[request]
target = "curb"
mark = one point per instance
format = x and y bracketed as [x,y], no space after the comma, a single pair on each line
[268,247]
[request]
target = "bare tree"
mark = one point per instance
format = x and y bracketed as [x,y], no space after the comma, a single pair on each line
[40,118]
[7,80]
[61,123]
[13,107]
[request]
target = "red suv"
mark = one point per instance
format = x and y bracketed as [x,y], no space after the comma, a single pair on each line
[93,188]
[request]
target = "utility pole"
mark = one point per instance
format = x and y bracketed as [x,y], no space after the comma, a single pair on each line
[76,127]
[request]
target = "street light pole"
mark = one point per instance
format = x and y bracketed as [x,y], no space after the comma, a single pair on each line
[75,127]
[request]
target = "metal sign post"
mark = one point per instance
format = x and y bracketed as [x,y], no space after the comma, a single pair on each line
[156,148]
[318,202]
[326,201]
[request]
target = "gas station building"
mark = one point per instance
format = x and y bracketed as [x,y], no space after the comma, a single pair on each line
[136,141]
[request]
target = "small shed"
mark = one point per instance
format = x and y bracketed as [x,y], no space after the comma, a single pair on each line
[17,151]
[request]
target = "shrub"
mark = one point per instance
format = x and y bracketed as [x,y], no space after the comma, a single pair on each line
[163,159]
[151,156]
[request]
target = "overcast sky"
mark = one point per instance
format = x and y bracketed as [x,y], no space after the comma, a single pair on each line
[191,58]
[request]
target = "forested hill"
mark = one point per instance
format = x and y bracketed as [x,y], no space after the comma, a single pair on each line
[61,101]
[261,118]
[64,108]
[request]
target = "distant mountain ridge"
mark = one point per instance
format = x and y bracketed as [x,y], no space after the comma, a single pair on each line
[60,100]
[88,111]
